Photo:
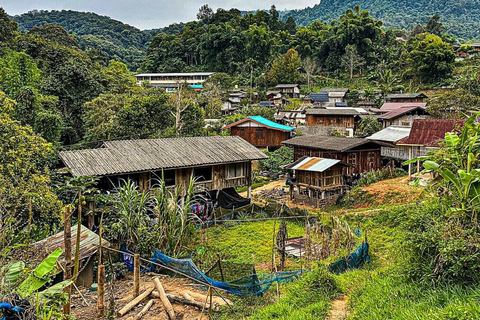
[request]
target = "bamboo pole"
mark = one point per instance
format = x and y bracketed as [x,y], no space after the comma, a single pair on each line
[136,275]
[211,304]
[144,311]
[101,292]
[134,302]
[29,228]
[164,298]
[76,265]
[67,239]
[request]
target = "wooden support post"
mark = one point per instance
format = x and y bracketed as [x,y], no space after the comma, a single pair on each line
[220,267]
[136,275]
[163,297]
[91,214]
[101,292]
[410,165]
[76,265]
[67,239]
[210,290]
[134,302]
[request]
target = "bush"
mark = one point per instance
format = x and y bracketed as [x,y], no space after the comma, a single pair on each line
[379,175]
[307,298]
[277,158]
[442,249]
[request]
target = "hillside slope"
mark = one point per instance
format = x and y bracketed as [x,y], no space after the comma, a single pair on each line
[461,18]
[114,38]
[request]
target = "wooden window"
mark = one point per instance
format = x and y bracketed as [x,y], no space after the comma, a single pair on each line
[352,159]
[235,170]
[371,160]
[202,174]
[259,133]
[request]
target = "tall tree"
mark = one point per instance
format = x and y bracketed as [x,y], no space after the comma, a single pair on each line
[310,67]
[430,59]
[8,29]
[285,68]
[351,60]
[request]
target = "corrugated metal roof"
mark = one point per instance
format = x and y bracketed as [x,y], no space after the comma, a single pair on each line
[315,164]
[337,94]
[392,114]
[405,96]
[124,156]
[428,132]
[88,243]
[395,105]
[334,111]
[335,90]
[286,85]
[391,134]
[326,142]
[262,121]
[318,97]
[341,104]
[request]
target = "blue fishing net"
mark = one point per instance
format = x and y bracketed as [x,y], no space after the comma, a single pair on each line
[253,284]
[354,260]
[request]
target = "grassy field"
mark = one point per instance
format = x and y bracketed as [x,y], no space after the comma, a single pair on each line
[380,290]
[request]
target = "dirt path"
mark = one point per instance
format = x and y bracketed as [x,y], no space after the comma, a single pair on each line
[339,309]
[269,186]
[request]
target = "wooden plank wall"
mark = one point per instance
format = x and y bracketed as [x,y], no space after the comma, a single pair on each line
[330,121]
[361,165]
[267,137]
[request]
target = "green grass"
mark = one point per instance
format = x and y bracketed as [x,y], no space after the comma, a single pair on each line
[237,243]
[380,290]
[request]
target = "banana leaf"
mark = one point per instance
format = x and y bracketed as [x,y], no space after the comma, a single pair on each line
[40,276]
[13,272]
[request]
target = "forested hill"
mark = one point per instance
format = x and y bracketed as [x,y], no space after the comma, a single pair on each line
[113,38]
[461,18]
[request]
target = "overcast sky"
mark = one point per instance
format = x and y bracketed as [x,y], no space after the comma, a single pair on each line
[148,14]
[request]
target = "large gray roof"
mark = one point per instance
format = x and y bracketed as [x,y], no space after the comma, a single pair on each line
[326,142]
[126,156]
[391,134]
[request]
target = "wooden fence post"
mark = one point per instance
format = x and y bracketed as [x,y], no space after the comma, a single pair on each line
[136,275]
[67,238]
[101,291]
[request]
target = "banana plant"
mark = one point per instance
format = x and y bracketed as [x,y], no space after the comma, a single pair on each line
[457,163]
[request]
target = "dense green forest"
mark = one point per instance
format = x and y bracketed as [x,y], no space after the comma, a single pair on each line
[113,39]
[461,18]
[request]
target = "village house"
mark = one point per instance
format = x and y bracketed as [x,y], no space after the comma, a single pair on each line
[291,118]
[215,162]
[317,181]
[291,90]
[276,97]
[170,81]
[392,154]
[405,97]
[343,120]
[316,99]
[425,135]
[403,116]
[260,132]
[361,155]
[336,94]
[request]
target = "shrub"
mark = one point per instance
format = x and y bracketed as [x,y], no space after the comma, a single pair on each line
[379,175]
[277,158]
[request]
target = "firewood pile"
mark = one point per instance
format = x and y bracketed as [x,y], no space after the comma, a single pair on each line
[276,193]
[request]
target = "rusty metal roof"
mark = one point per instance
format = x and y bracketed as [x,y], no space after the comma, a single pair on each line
[392,114]
[88,243]
[388,106]
[126,156]
[428,132]
[315,164]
